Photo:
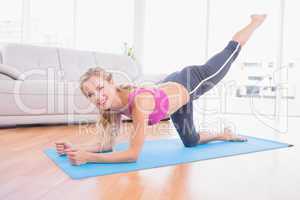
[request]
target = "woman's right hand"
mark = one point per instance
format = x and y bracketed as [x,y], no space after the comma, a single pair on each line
[61,147]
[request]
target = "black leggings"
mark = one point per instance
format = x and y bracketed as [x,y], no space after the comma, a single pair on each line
[198,79]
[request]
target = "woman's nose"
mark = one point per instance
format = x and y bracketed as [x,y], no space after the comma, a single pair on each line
[98,97]
[95,98]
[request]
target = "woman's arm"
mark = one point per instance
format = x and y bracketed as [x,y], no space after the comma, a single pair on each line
[63,147]
[140,123]
[94,147]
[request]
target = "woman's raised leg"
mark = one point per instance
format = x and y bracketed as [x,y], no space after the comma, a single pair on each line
[204,77]
[200,78]
[244,34]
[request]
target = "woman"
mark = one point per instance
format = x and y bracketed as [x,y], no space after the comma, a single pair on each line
[147,106]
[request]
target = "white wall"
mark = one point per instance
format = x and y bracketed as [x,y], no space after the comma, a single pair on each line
[170,35]
[84,24]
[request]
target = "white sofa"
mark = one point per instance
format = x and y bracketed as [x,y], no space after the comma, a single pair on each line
[40,85]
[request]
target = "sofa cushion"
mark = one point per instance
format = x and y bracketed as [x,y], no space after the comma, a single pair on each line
[41,104]
[1,55]
[149,79]
[35,62]
[4,77]
[74,63]
[33,87]
[40,97]
[123,68]
[40,87]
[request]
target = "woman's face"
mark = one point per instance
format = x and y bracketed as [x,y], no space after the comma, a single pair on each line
[100,92]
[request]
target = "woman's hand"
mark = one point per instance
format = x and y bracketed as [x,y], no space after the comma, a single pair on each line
[61,147]
[77,156]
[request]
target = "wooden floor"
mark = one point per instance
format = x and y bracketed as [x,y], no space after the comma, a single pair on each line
[26,173]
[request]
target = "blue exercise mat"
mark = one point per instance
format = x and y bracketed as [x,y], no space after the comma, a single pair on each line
[164,152]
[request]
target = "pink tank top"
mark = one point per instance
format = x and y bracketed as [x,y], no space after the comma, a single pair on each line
[161,103]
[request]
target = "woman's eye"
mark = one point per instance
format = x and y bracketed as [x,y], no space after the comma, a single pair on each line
[90,95]
[100,88]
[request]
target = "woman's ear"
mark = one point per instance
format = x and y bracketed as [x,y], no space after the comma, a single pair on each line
[83,90]
[111,81]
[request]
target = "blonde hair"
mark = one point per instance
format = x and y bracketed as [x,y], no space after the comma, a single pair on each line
[109,122]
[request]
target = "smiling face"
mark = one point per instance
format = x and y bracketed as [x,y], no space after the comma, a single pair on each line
[100,92]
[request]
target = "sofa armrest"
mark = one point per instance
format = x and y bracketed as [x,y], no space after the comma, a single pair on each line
[11,72]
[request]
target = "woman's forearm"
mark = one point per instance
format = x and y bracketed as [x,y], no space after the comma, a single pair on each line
[94,148]
[115,157]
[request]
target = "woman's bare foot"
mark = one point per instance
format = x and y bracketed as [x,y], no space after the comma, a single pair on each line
[258,19]
[245,33]
[228,135]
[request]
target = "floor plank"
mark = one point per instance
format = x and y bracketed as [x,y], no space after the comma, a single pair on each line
[26,173]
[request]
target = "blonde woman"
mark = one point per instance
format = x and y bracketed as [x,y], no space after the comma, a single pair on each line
[172,96]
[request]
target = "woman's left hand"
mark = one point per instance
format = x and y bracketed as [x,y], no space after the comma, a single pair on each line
[77,156]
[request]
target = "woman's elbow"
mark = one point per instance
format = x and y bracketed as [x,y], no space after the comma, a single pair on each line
[132,160]
[133,157]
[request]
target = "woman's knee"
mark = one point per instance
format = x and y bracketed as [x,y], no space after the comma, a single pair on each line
[191,141]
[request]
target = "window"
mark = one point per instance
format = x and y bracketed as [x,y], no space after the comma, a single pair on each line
[250,80]
[51,23]
[84,24]
[11,20]
[291,56]
[104,25]
[174,35]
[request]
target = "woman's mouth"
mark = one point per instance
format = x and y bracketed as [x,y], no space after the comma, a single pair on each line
[102,102]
